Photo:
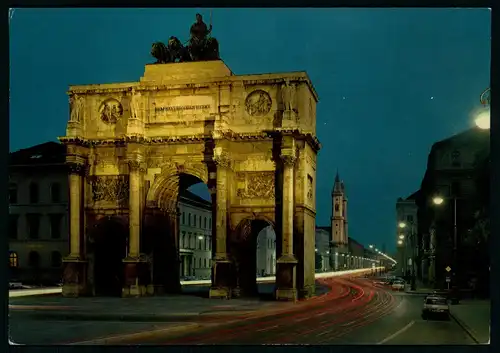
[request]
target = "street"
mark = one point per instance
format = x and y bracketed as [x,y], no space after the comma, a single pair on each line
[354,311]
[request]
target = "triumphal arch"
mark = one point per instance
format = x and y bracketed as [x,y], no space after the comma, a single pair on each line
[132,146]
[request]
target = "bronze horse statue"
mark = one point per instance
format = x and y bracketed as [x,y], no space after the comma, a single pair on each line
[171,53]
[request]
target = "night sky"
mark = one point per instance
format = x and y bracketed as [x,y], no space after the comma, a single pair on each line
[391,82]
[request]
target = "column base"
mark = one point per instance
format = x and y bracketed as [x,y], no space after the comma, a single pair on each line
[136,274]
[74,277]
[221,281]
[286,278]
[307,292]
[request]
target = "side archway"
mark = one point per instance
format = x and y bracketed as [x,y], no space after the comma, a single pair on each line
[242,249]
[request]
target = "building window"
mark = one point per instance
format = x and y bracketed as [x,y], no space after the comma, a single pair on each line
[205,222]
[210,223]
[13,260]
[34,193]
[56,259]
[189,219]
[337,207]
[34,259]
[13,226]
[33,225]
[12,193]
[183,218]
[199,221]
[55,226]
[55,193]
[199,244]
[409,218]
[183,242]
[190,240]
[199,262]
[205,263]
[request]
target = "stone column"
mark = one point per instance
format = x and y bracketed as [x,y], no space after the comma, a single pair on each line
[221,276]
[135,266]
[286,286]
[75,266]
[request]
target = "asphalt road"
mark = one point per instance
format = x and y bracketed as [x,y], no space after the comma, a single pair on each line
[353,312]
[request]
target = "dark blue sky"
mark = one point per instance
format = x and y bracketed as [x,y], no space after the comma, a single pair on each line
[391,82]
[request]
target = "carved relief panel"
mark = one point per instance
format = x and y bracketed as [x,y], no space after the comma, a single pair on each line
[255,185]
[111,191]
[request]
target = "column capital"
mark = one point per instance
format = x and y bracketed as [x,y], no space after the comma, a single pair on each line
[222,159]
[288,159]
[134,165]
[77,168]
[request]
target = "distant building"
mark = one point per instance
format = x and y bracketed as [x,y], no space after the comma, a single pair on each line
[406,212]
[322,250]
[38,213]
[453,173]
[335,250]
[195,246]
[266,252]
[339,226]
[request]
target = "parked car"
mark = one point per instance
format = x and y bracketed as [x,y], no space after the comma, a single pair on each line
[435,306]
[398,285]
[15,285]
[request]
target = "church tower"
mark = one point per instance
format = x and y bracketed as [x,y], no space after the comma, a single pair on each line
[339,234]
[339,206]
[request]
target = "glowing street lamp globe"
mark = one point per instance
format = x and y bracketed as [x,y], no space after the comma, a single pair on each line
[483,119]
[401,236]
[437,200]
[400,242]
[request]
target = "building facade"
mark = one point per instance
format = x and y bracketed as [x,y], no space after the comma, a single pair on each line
[266,252]
[195,244]
[453,251]
[38,213]
[406,238]
[322,237]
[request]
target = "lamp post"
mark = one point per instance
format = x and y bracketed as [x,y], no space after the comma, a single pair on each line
[411,237]
[438,200]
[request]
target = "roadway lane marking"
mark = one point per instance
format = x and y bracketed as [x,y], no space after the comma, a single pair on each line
[397,333]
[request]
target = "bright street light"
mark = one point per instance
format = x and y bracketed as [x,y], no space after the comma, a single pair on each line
[401,236]
[376,249]
[402,224]
[482,119]
[200,237]
[400,242]
[371,246]
[437,200]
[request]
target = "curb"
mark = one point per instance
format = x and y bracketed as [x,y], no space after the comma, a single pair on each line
[139,335]
[466,328]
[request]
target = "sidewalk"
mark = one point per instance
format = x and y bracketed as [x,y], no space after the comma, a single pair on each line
[421,289]
[474,317]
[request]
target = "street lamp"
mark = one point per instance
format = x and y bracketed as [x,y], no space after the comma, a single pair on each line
[400,242]
[403,225]
[371,246]
[438,200]
[401,236]
[482,119]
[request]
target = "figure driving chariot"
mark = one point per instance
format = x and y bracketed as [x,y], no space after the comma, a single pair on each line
[201,46]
